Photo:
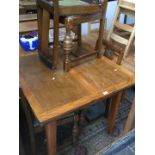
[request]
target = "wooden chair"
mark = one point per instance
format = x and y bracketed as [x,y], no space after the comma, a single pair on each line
[115,41]
[72,14]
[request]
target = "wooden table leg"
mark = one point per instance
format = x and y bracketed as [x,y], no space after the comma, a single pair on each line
[21,146]
[51,130]
[28,116]
[130,119]
[116,100]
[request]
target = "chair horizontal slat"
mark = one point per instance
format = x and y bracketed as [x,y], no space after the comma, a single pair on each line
[27,3]
[29,26]
[124,27]
[27,17]
[127,12]
[128,7]
[119,39]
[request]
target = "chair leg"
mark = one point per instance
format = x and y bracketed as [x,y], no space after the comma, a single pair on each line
[75,131]
[67,46]
[81,121]
[120,58]
[107,107]
[96,46]
[123,95]
[39,17]
[56,41]
[45,32]
[100,38]
[79,35]
[106,53]
[104,29]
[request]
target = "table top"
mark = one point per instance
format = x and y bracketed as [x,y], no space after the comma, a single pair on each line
[53,94]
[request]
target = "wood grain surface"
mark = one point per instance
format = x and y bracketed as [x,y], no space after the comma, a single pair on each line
[53,94]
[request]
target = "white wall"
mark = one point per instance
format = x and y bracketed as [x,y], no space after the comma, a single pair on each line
[110,12]
[84,28]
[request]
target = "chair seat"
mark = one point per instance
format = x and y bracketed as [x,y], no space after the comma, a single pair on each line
[72,3]
[69,7]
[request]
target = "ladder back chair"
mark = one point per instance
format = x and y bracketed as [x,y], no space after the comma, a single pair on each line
[121,44]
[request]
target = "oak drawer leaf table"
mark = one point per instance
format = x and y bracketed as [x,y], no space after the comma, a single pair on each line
[54,94]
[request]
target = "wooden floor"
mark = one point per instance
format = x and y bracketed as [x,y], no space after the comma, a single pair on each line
[128,62]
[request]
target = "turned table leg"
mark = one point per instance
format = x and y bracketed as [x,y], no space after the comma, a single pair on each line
[116,100]
[51,130]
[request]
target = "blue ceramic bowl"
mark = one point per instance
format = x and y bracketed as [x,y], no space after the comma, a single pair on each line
[28,42]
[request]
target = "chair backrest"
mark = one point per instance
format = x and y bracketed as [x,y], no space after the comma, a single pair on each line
[128,8]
